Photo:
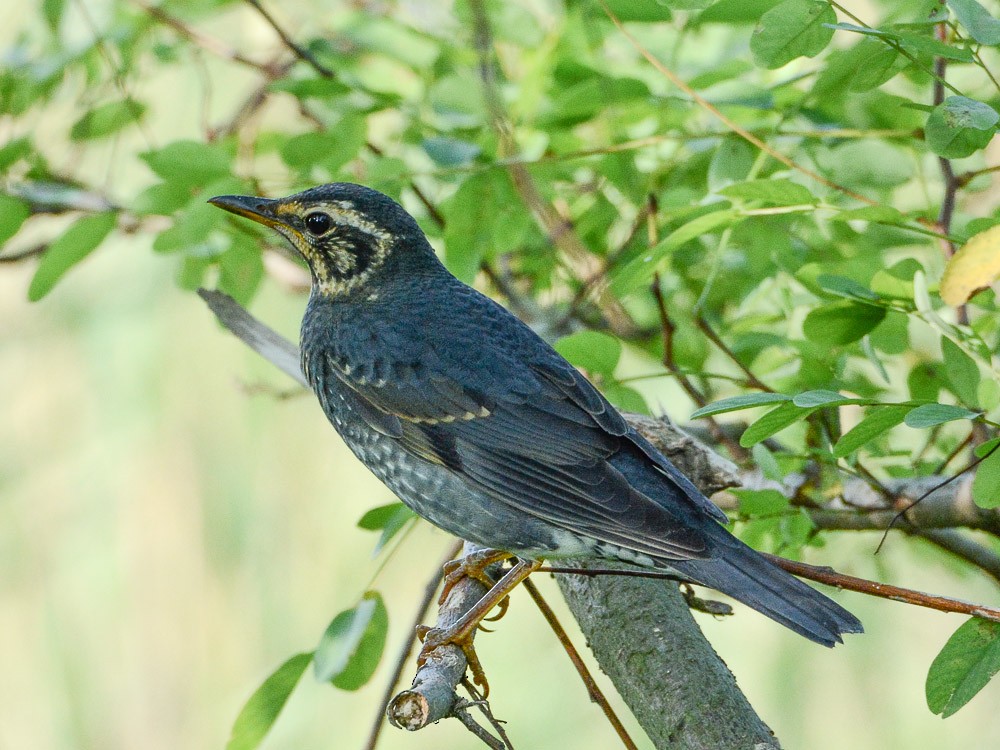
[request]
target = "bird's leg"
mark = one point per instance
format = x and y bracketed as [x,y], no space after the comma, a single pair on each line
[473,566]
[461,633]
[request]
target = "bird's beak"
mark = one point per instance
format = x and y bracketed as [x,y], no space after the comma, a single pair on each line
[260,210]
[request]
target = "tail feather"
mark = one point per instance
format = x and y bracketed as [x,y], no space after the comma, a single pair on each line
[747,576]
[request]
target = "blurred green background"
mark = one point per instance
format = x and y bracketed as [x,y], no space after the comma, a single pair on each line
[176,520]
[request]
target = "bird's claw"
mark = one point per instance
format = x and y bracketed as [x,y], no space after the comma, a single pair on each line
[471,566]
[434,638]
[708,606]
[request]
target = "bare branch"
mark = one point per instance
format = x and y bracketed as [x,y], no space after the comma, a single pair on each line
[404,653]
[883,590]
[199,39]
[432,695]
[300,52]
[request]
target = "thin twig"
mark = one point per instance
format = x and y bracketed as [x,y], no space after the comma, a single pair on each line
[469,723]
[207,43]
[593,689]
[956,543]
[667,327]
[404,653]
[901,514]
[939,469]
[707,329]
[948,200]
[300,52]
[30,252]
[830,577]
[479,700]
[646,216]
[883,590]
[252,104]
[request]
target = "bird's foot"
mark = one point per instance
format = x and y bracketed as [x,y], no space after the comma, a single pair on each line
[434,638]
[462,632]
[471,566]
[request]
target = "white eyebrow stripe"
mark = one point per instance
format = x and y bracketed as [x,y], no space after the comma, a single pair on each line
[353,219]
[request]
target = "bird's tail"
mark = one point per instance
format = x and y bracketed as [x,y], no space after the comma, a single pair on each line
[749,577]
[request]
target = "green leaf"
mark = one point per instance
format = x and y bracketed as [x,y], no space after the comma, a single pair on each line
[879,419]
[877,214]
[188,162]
[896,281]
[821,397]
[330,150]
[988,394]
[767,463]
[163,198]
[260,712]
[966,663]
[307,150]
[731,162]
[469,219]
[845,287]
[876,65]
[791,29]
[867,162]
[924,381]
[14,151]
[351,648]
[961,371]
[75,244]
[687,4]
[761,502]
[841,323]
[625,397]
[958,127]
[983,448]
[736,403]
[583,100]
[772,422]
[52,12]
[736,11]
[986,485]
[13,213]
[640,270]
[983,27]
[450,152]
[931,415]
[770,192]
[389,519]
[311,88]
[927,45]
[241,269]
[591,351]
[107,119]
[639,10]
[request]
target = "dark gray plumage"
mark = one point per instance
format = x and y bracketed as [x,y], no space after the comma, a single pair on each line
[482,428]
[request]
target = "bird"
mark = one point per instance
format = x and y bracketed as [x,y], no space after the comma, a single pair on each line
[482,428]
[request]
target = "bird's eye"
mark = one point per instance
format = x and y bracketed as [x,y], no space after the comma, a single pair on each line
[318,223]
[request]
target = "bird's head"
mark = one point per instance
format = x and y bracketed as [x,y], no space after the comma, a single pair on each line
[347,233]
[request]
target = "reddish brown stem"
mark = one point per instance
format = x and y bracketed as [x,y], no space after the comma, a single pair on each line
[593,689]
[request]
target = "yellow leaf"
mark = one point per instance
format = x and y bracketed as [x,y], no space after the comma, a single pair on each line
[974,266]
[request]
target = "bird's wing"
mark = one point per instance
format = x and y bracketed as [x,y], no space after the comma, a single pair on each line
[534,435]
